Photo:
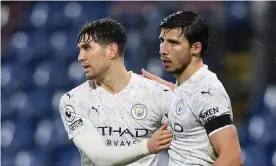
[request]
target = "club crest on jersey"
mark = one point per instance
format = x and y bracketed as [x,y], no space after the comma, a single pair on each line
[180,107]
[139,111]
[69,113]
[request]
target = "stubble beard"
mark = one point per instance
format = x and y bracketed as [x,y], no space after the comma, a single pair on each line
[184,64]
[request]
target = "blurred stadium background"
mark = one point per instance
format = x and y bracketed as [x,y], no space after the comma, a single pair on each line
[38,54]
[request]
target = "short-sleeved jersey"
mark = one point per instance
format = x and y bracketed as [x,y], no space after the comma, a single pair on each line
[202,107]
[122,119]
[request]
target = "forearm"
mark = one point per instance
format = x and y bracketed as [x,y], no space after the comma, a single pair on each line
[228,159]
[112,156]
[92,144]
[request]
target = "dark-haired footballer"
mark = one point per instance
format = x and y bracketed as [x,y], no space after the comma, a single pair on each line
[116,116]
[204,134]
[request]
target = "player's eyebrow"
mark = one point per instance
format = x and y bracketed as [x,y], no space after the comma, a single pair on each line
[169,40]
[81,45]
[173,41]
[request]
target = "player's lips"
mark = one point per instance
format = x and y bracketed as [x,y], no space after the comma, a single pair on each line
[85,67]
[166,62]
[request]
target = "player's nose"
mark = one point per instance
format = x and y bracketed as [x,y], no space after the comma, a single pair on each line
[81,57]
[163,51]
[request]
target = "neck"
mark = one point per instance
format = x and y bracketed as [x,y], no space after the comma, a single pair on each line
[193,67]
[116,78]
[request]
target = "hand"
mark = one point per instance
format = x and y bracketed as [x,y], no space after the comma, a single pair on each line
[160,140]
[153,77]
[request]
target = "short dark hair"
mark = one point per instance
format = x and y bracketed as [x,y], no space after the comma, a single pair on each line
[105,31]
[194,27]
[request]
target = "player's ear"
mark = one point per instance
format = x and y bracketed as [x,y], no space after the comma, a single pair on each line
[196,48]
[113,50]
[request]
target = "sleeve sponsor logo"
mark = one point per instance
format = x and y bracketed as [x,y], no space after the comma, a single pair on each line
[209,114]
[76,125]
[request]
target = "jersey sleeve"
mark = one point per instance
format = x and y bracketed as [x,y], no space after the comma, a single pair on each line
[91,143]
[74,114]
[212,108]
[164,97]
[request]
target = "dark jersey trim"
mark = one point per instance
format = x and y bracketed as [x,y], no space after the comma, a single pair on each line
[217,123]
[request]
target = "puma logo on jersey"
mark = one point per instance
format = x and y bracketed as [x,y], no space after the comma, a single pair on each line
[68,95]
[96,109]
[206,92]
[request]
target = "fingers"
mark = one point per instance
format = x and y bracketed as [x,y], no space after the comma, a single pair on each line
[165,132]
[164,126]
[160,139]
[148,75]
[162,134]
[169,85]
[151,76]
[166,141]
[163,147]
[164,137]
[144,72]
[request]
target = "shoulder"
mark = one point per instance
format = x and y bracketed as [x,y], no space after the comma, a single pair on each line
[205,88]
[207,84]
[211,94]
[80,91]
[153,87]
[211,86]
[150,84]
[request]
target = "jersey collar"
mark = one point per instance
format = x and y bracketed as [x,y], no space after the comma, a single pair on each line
[194,77]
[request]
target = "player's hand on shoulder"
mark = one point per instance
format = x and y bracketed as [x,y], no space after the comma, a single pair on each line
[153,77]
[160,140]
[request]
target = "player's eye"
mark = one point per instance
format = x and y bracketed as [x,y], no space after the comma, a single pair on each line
[173,42]
[86,48]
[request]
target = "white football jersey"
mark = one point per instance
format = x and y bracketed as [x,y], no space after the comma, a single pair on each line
[123,119]
[202,107]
